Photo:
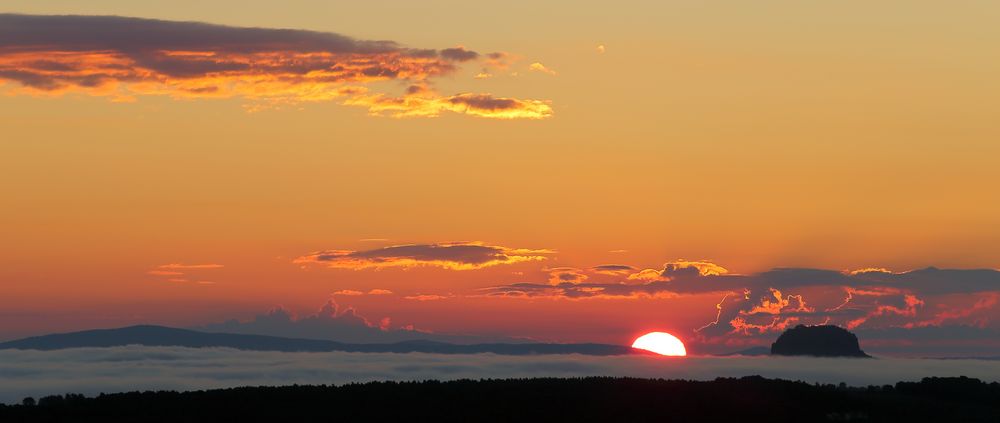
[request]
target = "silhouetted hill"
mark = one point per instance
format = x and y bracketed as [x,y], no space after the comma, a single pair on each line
[821,341]
[161,336]
[744,400]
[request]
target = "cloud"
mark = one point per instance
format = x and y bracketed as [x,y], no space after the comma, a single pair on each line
[333,322]
[451,255]
[348,292]
[559,275]
[91,371]
[122,58]
[538,67]
[426,297]
[190,266]
[426,104]
[180,272]
[613,269]
[679,268]
[985,302]
[459,54]
[380,292]
[601,49]
[767,302]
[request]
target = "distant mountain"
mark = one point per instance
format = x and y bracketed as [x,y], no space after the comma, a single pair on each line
[820,341]
[165,336]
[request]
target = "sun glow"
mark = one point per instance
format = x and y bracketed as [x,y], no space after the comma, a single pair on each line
[661,343]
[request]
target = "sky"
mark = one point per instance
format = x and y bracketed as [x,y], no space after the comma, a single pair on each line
[564,171]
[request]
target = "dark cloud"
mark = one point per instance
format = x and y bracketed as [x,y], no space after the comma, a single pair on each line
[137,36]
[454,256]
[121,57]
[613,269]
[484,102]
[459,54]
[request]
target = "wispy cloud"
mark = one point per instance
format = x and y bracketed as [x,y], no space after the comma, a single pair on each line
[180,272]
[122,58]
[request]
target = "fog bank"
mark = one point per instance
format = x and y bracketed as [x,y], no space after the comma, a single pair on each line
[94,370]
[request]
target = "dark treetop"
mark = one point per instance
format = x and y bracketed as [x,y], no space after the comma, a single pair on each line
[745,400]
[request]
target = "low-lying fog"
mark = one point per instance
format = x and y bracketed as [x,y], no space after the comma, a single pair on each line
[94,370]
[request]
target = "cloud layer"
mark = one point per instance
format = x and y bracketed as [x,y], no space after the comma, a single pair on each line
[94,370]
[122,58]
[768,302]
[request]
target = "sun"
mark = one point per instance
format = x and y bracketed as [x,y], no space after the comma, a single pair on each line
[661,343]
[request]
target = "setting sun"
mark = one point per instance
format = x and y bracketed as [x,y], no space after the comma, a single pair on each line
[661,343]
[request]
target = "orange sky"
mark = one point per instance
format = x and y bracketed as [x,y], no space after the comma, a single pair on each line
[838,136]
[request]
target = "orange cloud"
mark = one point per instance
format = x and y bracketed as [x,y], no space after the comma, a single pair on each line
[178,272]
[538,67]
[679,268]
[121,58]
[451,256]
[909,310]
[613,269]
[429,104]
[987,301]
[776,303]
[426,297]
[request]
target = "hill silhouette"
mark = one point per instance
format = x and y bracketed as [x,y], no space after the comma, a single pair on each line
[599,399]
[161,336]
[820,341]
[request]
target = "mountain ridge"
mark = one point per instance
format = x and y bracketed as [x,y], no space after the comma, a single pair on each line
[153,335]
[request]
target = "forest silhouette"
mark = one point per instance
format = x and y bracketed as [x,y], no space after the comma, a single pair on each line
[747,399]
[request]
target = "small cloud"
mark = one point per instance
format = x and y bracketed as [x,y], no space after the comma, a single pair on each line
[613,269]
[459,54]
[348,292]
[538,67]
[178,272]
[380,292]
[189,266]
[601,49]
[483,75]
[500,60]
[426,297]
[560,275]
